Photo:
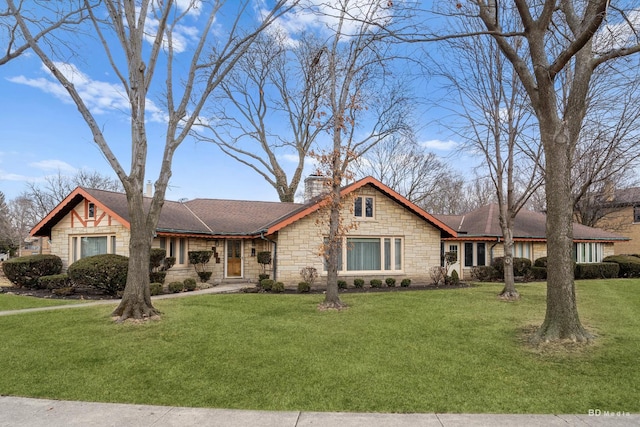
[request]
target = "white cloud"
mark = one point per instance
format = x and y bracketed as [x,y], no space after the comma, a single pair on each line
[13,176]
[619,34]
[290,157]
[436,144]
[100,97]
[53,165]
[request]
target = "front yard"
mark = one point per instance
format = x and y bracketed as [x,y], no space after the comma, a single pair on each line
[422,351]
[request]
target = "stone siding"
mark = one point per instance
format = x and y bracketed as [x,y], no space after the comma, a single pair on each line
[299,243]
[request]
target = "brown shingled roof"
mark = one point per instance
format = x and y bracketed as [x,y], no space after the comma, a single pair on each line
[484,222]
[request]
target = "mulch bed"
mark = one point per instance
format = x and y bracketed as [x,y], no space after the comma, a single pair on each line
[94,294]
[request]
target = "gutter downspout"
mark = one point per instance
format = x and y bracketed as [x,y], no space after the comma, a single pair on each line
[275,253]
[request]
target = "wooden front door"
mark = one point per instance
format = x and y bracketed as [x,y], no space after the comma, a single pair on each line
[234,258]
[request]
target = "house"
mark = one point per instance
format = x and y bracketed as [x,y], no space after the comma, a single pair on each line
[620,214]
[391,236]
[479,238]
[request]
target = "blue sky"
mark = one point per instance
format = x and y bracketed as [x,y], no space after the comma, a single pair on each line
[42,133]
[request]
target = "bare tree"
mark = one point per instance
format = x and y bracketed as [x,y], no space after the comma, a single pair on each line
[364,106]
[561,43]
[269,111]
[47,195]
[496,124]
[59,17]
[146,31]
[7,241]
[402,164]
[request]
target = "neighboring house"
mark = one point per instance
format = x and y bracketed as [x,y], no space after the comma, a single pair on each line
[620,213]
[479,239]
[393,237]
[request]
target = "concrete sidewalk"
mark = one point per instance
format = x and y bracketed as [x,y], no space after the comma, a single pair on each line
[18,412]
[225,288]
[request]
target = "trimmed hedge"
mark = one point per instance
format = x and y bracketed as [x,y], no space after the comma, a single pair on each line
[484,273]
[155,288]
[539,273]
[540,262]
[25,271]
[597,270]
[629,265]
[56,281]
[521,266]
[106,272]
[189,284]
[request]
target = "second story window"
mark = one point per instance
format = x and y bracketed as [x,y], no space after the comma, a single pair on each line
[636,214]
[363,207]
[92,210]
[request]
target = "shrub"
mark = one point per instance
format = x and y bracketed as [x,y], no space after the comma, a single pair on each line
[157,276]
[159,263]
[483,273]
[262,276]
[263,257]
[597,270]
[539,273]
[56,281]
[521,266]
[358,283]
[309,274]
[277,287]
[405,283]
[106,272]
[175,287]
[390,281]
[304,287]
[200,259]
[629,265]
[267,284]
[342,284]
[189,284]
[155,288]
[25,271]
[375,283]
[540,262]
[204,275]
[455,279]
[437,274]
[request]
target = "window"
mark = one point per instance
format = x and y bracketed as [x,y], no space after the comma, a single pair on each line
[636,214]
[85,246]
[370,254]
[91,210]
[175,248]
[481,254]
[468,254]
[363,207]
[474,254]
[522,250]
[588,252]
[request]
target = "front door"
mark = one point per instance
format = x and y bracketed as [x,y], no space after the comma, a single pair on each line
[234,258]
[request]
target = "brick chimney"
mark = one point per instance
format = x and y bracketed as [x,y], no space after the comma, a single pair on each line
[315,185]
[148,192]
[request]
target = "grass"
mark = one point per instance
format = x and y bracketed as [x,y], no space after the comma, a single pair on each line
[433,351]
[17,302]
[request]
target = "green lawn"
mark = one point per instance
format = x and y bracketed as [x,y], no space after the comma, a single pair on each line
[17,302]
[431,351]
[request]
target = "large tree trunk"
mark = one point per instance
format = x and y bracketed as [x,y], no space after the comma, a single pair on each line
[136,300]
[561,319]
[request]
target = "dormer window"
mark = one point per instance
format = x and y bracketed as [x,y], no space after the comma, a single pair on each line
[91,210]
[363,207]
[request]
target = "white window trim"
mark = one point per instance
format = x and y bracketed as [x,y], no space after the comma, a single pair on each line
[364,216]
[75,244]
[382,271]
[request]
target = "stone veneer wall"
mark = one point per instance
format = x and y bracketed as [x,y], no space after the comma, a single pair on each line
[62,232]
[620,221]
[299,243]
